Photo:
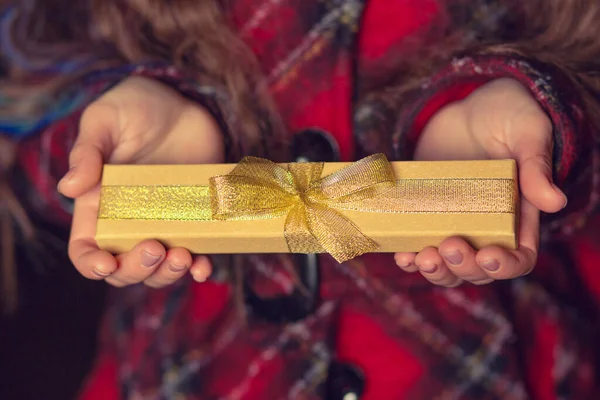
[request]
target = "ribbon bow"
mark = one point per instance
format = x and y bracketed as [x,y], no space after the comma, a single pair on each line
[257,188]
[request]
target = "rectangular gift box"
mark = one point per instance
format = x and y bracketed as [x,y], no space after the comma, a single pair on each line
[477,200]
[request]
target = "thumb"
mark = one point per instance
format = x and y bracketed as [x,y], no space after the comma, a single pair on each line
[92,147]
[533,154]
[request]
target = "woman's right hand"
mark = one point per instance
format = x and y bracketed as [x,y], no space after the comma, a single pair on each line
[140,121]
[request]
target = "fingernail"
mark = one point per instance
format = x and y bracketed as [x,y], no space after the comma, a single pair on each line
[557,190]
[429,269]
[177,268]
[566,201]
[102,274]
[491,265]
[200,278]
[149,260]
[454,258]
[68,176]
[403,265]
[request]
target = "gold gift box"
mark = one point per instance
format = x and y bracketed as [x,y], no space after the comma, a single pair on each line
[477,200]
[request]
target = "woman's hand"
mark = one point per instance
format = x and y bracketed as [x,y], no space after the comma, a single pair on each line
[140,121]
[499,120]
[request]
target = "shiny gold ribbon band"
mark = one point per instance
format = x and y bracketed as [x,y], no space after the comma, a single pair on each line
[258,189]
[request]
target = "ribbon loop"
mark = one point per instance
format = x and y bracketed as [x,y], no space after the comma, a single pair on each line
[255,189]
[363,179]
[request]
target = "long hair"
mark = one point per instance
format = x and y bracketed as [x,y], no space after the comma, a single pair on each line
[52,41]
[56,38]
[11,214]
[562,34]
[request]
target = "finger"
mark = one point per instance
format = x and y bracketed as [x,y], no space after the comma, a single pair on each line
[406,261]
[459,257]
[201,268]
[90,261]
[483,282]
[138,264]
[92,147]
[432,267]
[533,152]
[175,265]
[500,263]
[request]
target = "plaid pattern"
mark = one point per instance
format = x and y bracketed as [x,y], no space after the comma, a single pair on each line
[533,337]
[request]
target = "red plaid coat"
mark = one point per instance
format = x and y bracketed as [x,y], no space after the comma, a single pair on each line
[534,337]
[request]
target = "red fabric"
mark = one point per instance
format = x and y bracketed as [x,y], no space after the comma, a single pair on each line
[375,355]
[588,256]
[213,294]
[542,354]
[323,113]
[387,22]
[103,382]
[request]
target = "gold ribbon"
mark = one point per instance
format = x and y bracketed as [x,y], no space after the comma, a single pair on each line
[258,189]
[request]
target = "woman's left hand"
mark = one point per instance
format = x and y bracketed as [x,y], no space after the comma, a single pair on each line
[500,120]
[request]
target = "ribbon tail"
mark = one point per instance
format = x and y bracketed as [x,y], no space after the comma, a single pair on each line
[337,235]
[299,238]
